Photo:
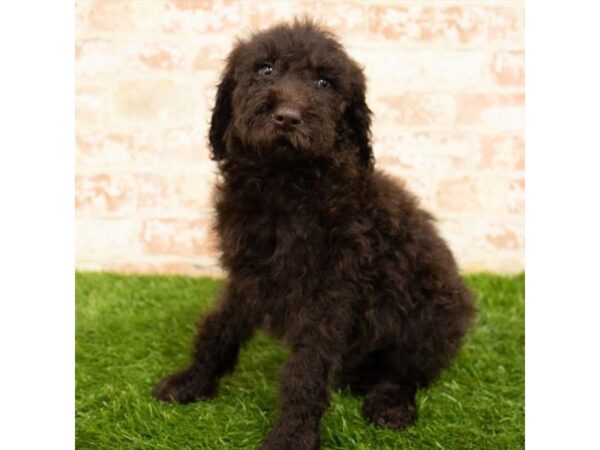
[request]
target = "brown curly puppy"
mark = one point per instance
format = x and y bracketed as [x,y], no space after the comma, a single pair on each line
[322,250]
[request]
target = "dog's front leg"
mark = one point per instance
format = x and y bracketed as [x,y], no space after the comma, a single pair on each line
[220,336]
[305,384]
[304,398]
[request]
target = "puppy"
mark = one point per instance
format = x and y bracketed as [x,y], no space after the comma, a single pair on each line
[322,250]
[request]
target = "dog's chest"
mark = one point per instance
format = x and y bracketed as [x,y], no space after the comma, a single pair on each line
[272,230]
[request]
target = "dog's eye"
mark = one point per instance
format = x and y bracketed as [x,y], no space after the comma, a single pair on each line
[265,69]
[322,83]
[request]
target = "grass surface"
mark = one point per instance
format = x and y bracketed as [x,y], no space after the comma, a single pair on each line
[132,330]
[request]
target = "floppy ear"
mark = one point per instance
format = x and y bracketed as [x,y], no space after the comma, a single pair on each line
[358,119]
[221,115]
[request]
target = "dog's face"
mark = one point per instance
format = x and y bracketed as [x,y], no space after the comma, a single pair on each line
[291,90]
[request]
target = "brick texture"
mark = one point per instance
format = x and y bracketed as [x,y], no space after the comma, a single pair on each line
[446,84]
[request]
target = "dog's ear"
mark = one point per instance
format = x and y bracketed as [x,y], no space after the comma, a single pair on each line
[358,119]
[221,115]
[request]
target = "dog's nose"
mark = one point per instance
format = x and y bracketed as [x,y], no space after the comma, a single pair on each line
[287,116]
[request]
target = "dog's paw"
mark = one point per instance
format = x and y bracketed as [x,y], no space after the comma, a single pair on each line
[184,387]
[396,417]
[281,438]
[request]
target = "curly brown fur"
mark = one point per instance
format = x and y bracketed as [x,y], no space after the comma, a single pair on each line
[322,250]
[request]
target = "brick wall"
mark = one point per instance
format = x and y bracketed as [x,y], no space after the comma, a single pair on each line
[446,84]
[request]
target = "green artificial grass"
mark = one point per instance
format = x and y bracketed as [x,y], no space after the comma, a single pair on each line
[132,330]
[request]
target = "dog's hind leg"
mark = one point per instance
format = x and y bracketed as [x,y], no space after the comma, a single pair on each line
[391,404]
[427,346]
[389,395]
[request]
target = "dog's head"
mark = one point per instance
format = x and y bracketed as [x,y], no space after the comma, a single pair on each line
[291,89]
